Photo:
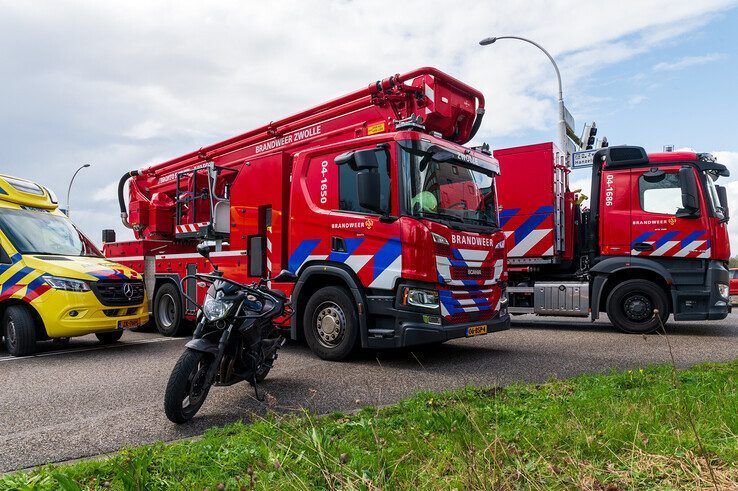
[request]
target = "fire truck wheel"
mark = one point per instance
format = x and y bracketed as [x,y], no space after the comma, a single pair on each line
[168,310]
[631,305]
[331,324]
[109,337]
[19,331]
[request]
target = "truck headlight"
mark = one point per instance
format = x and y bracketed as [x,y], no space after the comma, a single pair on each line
[67,284]
[419,297]
[439,239]
[723,290]
[214,309]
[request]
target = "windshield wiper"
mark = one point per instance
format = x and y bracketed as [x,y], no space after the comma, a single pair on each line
[440,216]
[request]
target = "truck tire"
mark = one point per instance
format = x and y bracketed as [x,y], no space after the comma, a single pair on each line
[631,304]
[108,337]
[168,310]
[19,331]
[331,324]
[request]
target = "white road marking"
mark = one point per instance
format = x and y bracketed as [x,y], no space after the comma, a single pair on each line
[88,348]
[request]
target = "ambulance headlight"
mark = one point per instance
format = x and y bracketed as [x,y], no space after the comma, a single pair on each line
[67,284]
[215,309]
[419,297]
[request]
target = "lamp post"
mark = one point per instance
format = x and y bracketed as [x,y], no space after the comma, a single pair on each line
[562,110]
[69,189]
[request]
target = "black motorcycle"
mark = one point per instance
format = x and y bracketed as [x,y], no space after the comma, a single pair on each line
[235,339]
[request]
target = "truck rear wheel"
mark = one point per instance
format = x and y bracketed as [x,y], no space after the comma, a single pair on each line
[331,324]
[19,331]
[168,310]
[631,306]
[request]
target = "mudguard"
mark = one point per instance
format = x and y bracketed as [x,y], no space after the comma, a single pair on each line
[603,269]
[203,345]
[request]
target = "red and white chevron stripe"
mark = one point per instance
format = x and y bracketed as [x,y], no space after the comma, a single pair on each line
[188,228]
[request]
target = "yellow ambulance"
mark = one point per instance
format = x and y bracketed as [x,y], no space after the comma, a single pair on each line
[54,283]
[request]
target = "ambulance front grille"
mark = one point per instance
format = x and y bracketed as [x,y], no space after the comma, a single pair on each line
[118,293]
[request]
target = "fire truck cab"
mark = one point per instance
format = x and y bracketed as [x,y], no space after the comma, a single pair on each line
[389,222]
[654,237]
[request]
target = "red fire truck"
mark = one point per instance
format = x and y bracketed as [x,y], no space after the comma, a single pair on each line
[388,221]
[654,236]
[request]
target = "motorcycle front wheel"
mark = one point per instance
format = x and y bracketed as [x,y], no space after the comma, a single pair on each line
[187,388]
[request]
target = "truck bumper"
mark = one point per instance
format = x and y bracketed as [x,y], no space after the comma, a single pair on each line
[394,328]
[702,302]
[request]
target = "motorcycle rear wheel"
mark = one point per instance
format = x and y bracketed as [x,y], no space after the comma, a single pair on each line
[187,388]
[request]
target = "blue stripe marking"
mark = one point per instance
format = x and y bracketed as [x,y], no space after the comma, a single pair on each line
[691,238]
[390,251]
[351,246]
[302,252]
[35,284]
[665,238]
[531,223]
[506,215]
[19,275]
[641,238]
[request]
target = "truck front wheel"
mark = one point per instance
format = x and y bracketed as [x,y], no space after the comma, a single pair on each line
[331,324]
[19,331]
[168,310]
[631,305]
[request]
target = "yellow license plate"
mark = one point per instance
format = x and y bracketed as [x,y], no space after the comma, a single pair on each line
[127,324]
[475,331]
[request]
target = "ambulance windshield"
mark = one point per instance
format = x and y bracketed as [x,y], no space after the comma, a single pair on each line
[40,232]
[451,190]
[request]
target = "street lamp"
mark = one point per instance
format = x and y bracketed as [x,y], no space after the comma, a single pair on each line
[562,110]
[69,189]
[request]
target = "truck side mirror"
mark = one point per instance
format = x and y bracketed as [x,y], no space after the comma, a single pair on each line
[368,184]
[690,194]
[366,164]
[108,236]
[723,197]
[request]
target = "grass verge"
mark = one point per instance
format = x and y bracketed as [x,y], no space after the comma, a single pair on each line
[625,430]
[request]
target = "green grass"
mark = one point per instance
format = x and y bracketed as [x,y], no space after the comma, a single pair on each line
[626,430]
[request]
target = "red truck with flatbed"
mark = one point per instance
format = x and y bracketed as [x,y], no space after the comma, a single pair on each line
[653,238]
[389,222]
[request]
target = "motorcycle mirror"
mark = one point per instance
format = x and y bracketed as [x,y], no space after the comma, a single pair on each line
[285,276]
[204,250]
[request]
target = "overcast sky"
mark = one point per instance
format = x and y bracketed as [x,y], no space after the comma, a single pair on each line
[126,84]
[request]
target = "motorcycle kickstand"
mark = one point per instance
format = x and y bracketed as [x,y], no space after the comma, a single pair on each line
[259,397]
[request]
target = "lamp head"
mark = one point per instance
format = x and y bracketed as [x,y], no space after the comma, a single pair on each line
[487,41]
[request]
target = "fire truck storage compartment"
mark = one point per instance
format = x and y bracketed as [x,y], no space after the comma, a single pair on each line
[532,189]
[561,298]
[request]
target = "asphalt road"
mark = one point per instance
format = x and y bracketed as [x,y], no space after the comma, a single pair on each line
[87,400]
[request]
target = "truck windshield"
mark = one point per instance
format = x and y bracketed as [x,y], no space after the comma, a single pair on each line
[40,232]
[450,190]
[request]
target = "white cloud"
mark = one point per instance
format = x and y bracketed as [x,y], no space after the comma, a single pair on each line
[688,61]
[124,85]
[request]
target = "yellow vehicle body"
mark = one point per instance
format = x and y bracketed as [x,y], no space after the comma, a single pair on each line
[68,294]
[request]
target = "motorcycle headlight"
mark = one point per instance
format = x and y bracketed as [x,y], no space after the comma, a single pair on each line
[67,284]
[214,309]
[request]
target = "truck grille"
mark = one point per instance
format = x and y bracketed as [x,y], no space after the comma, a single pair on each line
[118,293]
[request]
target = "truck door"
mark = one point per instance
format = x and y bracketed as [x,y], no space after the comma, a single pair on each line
[615,212]
[335,228]
[657,230]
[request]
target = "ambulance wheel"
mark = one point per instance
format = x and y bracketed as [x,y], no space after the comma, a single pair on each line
[331,324]
[631,305]
[168,310]
[108,337]
[19,331]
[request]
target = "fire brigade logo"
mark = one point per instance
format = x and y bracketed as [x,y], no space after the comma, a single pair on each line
[672,221]
[368,223]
